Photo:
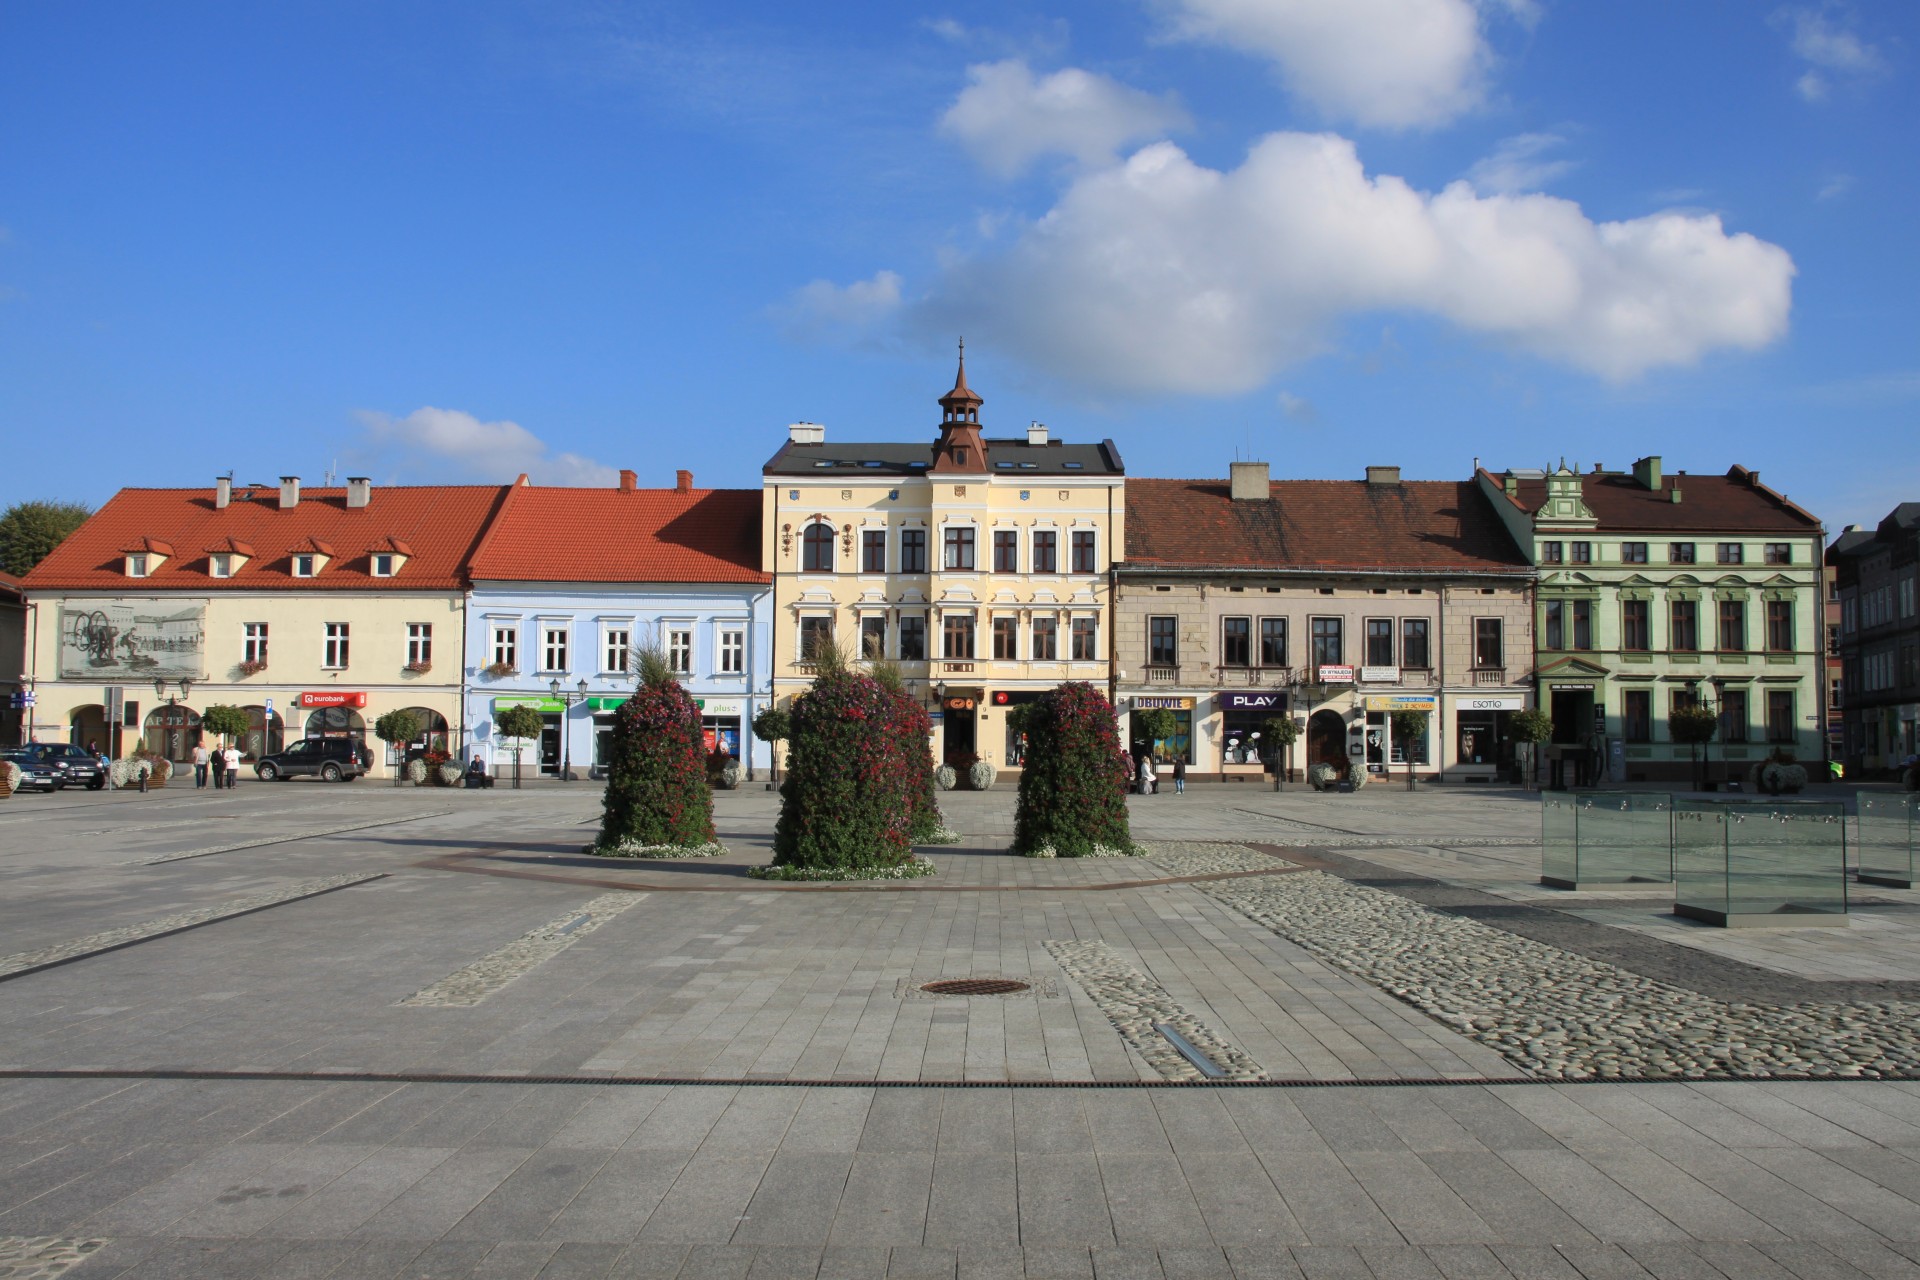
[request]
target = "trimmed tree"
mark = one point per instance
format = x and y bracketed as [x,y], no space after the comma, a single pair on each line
[397,729]
[1532,727]
[1409,727]
[519,723]
[658,797]
[225,722]
[1073,790]
[1280,733]
[773,726]
[1693,725]
[845,807]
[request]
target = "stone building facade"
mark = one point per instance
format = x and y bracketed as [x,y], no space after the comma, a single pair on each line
[1878,576]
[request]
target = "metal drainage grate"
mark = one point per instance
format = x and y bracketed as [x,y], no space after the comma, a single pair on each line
[973,987]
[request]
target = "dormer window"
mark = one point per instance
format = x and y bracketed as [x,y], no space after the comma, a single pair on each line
[383,565]
[303,566]
[136,566]
[220,565]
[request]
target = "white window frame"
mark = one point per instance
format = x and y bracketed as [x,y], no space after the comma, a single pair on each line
[137,566]
[305,564]
[730,649]
[220,565]
[616,655]
[419,642]
[679,651]
[383,564]
[1033,555]
[339,646]
[1074,531]
[549,649]
[507,653]
[253,642]
[939,554]
[1073,621]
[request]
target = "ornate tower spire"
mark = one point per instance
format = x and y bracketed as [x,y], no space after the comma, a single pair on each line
[960,447]
[960,404]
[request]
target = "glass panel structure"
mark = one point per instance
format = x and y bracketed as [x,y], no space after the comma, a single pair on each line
[1606,837]
[1770,863]
[1887,829]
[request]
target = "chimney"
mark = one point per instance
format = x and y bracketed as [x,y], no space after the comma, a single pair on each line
[1753,479]
[222,491]
[359,491]
[1647,472]
[806,433]
[628,480]
[1675,491]
[1510,484]
[683,481]
[289,492]
[1249,483]
[1036,433]
[1383,475]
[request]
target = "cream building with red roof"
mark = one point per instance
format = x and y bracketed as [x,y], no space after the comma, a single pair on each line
[315,610]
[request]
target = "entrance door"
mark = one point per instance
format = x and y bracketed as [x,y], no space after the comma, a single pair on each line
[550,744]
[961,744]
[1327,740]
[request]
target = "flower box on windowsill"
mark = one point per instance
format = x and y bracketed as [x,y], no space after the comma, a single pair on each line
[501,670]
[419,668]
[253,667]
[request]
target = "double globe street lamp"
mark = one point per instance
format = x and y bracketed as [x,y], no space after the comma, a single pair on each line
[568,697]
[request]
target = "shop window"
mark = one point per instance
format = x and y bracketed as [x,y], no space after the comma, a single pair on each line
[1780,626]
[1637,714]
[1006,639]
[1083,556]
[1236,642]
[334,656]
[1680,553]
[1481,738]
[1327,648]
[1635,634]
[959,542]
[1242,734]
[1086,636]
[1379,642]
[1046,551]
[1006,551]
[816,549]
[1273,642]
[1046,640]
[1414,653]
[956,643]
[1733,626]
[873,638]
[1163,647]
[816,636]
[873,551]
[913,637]
[733,651]
[1683,626]
[913,551]
[1489,644]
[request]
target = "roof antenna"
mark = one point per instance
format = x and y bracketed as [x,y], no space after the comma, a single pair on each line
[334,466]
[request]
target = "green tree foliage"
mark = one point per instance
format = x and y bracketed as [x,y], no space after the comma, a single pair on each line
[396,728]
[773,726]
[1159,724]
[227,722]
[846,804]
[1530,726]
[913,734]
[657,787]
[520,722]
[1409,727]
[1073,790]
[29,532]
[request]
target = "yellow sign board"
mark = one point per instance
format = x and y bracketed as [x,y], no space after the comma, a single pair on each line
[1402,702]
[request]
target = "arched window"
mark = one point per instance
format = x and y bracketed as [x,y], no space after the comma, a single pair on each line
[265,735]
[433,729]
[173,732]
[337,722]
[817,549]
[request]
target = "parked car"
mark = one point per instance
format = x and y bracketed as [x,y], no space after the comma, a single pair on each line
[80,766]
[35,774]
[328,759]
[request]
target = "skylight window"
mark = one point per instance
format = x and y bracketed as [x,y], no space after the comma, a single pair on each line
[1004,466]
[826,462]
[1074,466]
[870,464]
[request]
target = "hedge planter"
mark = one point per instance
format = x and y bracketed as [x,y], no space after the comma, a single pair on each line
[848,801]
[1073,788]
[657,794]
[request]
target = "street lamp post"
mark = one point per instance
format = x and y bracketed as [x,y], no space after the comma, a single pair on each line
[568,698]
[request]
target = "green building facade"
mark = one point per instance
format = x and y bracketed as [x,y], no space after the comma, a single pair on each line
[1660,591]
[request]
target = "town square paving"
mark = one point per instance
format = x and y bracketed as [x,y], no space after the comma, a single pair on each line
[342,1031]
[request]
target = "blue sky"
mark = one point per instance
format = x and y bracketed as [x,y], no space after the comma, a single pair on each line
[450,242]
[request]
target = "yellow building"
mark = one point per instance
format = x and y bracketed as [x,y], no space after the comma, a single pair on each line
[977,564]
[315,613]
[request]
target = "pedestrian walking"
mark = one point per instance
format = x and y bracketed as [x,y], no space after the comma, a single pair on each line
[1147,778]
[1126,758]
[1179,775]
[232,757]
[140,771]
[201,758]
[219,764]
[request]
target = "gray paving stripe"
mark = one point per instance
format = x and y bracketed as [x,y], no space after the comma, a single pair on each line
[1133,1003]
[1562,1015]
[288,838]
[24,962]
[42,1257]
[468,986]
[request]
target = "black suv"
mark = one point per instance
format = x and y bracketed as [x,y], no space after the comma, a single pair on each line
[78,765]
[329,759]
[35,774]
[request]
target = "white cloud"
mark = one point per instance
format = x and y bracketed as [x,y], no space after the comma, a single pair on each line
[1297,408]
[1162,274]
[491,451]
[1007,119]
[822,311]
[1518,164]
[1835,186]
[1821,38]
[1393,64]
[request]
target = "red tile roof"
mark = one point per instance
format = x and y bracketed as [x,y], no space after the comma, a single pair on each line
[633,535]
[1732,503]
[10,585]
[442,523]
[1414,526]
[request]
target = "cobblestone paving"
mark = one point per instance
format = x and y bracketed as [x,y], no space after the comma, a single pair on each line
[1200,857]
[41,1257]
[285,838]
[1562,1015]
[468,986]
[26,961]
[1134,1003]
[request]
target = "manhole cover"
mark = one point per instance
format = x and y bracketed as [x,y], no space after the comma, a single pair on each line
[973,987]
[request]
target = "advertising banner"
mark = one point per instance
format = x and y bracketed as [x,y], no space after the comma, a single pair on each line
[1335,675]
[133,640]
[1236,701]
[333,698]
[1491,702]
[1402,702]
[1167,704]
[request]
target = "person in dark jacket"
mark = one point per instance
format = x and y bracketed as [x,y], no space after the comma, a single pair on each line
[1179,775]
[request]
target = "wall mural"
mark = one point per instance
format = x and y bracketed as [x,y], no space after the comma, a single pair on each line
[132,640]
